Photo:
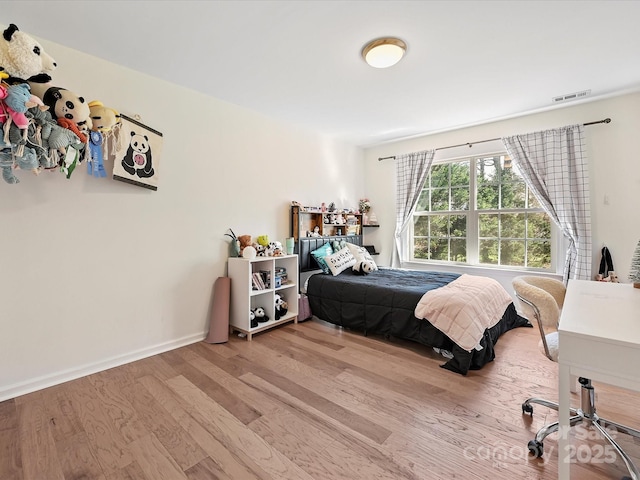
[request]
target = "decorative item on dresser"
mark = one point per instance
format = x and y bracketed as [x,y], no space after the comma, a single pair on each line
[258,283]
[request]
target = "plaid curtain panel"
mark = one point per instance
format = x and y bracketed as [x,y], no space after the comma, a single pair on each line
[554,165]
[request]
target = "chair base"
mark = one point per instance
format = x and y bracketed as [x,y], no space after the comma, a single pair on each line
[587,413]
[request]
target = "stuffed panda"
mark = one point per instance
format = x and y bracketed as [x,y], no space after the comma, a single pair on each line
[22,58]
[63,103]
[364,267]
[252,318]
[138,160]
[261,315]
[281,307]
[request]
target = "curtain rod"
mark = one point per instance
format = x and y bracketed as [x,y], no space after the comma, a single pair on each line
[606,120]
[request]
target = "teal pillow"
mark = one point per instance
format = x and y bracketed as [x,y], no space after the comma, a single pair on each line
[319,253]
[338,245]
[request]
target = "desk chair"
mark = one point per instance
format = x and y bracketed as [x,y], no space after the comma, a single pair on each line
[541,299]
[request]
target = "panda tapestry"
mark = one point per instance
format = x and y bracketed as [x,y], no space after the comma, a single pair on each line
[138,159]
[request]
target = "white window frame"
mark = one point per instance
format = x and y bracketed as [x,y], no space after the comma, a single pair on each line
[557,241]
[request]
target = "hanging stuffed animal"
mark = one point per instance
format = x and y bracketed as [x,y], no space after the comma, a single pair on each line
[23,58]
[49,139]
[15,101]
[105,123]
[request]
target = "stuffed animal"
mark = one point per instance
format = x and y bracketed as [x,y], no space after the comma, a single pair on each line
[363,267]
[252,318]
[105,139]
[15,103]
[315,233]
[49,139]
[278,251]
[9,161]
[22,58]
[103,119]
[281,307]
[16,99]
[263,240]
[245,241]
[261,315]
[260,250]
[67,109]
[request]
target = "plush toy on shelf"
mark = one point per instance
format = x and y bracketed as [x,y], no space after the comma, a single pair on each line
[281,307]
[261,315]
[252,318]
[245,241]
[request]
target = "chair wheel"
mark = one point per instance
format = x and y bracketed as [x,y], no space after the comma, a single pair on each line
[527,408]
[535,448]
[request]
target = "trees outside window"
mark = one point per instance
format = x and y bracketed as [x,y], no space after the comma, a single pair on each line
[479,211]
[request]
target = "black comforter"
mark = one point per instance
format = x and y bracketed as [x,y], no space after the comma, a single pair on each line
[384,301]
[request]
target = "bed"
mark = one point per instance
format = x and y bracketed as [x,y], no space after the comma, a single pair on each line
[384,303]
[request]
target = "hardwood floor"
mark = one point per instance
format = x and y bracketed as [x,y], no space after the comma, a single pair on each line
[300,402]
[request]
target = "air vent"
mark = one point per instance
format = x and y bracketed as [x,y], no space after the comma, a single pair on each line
[571,96]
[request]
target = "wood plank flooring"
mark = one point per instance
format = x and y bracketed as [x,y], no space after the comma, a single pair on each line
[304,402]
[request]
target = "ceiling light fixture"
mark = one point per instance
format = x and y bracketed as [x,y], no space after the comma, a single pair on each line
[384,52]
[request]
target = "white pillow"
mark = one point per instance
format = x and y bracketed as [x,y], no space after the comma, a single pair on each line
[340,261]
[361,254]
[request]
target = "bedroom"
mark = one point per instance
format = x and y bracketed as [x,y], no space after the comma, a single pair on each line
[99,274]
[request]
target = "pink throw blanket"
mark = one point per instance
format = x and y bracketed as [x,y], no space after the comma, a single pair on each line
[465,308]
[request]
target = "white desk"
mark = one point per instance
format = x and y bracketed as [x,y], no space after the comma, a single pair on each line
[599,338]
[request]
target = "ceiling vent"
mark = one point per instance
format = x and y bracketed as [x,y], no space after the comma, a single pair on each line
[571,96]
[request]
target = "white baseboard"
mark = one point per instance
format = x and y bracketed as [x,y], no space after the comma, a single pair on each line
[38,383]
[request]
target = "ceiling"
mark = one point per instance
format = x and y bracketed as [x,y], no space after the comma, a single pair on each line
[467,63]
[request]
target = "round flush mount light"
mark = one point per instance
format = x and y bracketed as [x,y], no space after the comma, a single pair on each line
[384,52]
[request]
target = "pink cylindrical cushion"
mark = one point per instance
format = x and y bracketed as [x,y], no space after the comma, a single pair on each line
[219,322]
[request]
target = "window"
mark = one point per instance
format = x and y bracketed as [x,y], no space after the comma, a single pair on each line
[479,211]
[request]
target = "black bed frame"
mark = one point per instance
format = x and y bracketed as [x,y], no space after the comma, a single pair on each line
[306,245]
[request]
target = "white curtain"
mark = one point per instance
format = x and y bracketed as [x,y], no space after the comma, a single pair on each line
[411,173]
[554,165]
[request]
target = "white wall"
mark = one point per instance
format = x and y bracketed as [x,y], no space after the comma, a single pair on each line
[614,172]
[96,273]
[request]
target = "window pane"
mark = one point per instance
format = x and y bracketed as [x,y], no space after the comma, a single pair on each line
[421,226]
[440,249]
[507,230]
[460,198]
[512,252]
[458,226]
[513,195]
[539,225]
[460,174]
[489,252]
[538,254]
[488,197]
[439,199]
[439,225]
[423,201]
[488,225]
[440,176]
[421,248]
[486,171]
[458,250]
[533,201]
[512,225]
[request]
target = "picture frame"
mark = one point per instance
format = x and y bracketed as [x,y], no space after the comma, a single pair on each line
[138,160]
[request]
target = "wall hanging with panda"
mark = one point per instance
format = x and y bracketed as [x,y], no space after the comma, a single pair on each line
[138,159]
